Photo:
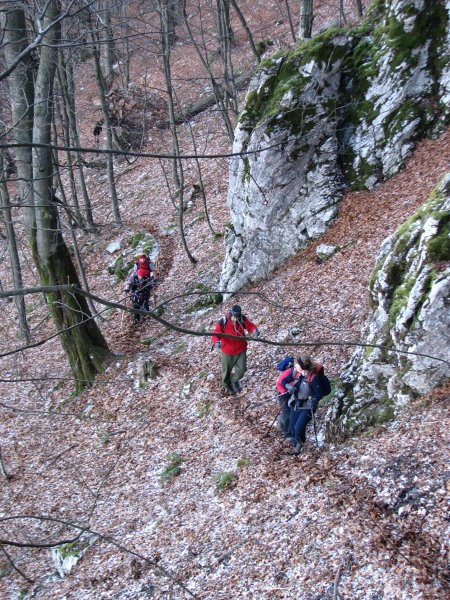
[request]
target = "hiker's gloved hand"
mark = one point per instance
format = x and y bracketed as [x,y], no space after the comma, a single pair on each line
[256,333]
[291,401]
[289,388]
[218,345]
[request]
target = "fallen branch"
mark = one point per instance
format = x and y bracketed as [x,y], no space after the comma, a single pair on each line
[58,456]
[198,107]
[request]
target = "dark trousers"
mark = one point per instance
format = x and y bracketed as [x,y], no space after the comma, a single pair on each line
[143,305]
[284,419]
[299,420]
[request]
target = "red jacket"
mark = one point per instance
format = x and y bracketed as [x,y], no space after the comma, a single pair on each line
[237,345]
[288,376]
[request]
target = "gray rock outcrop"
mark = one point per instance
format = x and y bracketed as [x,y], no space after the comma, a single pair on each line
[342,110]
[408,335]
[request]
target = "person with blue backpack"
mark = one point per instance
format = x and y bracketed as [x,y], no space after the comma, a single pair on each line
[306,391]
[290,373]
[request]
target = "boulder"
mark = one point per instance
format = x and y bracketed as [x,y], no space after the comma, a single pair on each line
[342,110]
[406,339]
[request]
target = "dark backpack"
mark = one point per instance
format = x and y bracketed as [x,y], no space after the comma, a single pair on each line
[284,364]
[223,322]
[324,382]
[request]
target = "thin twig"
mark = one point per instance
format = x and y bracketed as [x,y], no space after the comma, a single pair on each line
[336,582]
[58,456]
[11,562]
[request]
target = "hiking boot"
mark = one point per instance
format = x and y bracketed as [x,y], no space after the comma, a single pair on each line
[298,448]
[236,387]
[229,391]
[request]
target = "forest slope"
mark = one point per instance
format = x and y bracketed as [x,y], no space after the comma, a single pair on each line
[368,517]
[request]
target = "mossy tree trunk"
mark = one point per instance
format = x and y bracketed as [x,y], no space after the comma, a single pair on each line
[306,18]
[81,339]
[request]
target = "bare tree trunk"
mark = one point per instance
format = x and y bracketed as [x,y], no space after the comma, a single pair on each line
[22,100]
[69,165]
[125,55]
[202,188]
[170,22]
[3,470]
[342,18]
[177,165]
[107,45]
[306,18]
[247,29]
[359,8]
[109,136]
[65,73]
[16,271]
[216,89]
[226,42]
[201,184]
[291,24]
[80,337]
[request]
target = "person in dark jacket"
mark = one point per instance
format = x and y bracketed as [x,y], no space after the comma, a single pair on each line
[233,356]
[306,395]
[140,287]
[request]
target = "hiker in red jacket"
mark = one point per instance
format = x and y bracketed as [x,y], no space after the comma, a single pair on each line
[233,358]
[144,264]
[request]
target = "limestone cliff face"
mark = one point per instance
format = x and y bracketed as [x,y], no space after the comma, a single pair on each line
[410,290]
[341,111]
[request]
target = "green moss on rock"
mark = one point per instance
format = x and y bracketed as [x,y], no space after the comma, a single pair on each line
[139,243]
[439,247]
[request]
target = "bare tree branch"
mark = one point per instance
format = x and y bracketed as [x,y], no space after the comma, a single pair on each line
[83,529]
[173,327]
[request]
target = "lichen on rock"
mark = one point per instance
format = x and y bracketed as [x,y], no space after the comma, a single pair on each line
[407,335]
[343,109]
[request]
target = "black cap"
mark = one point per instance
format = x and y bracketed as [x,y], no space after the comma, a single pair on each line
[236,310]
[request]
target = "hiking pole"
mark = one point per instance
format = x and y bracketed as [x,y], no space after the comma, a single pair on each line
[314,425]
[276,417]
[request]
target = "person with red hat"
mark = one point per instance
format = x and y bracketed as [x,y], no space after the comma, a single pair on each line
[144,264]
[233,357]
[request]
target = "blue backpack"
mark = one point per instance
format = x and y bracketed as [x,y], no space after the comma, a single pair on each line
[286,363]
